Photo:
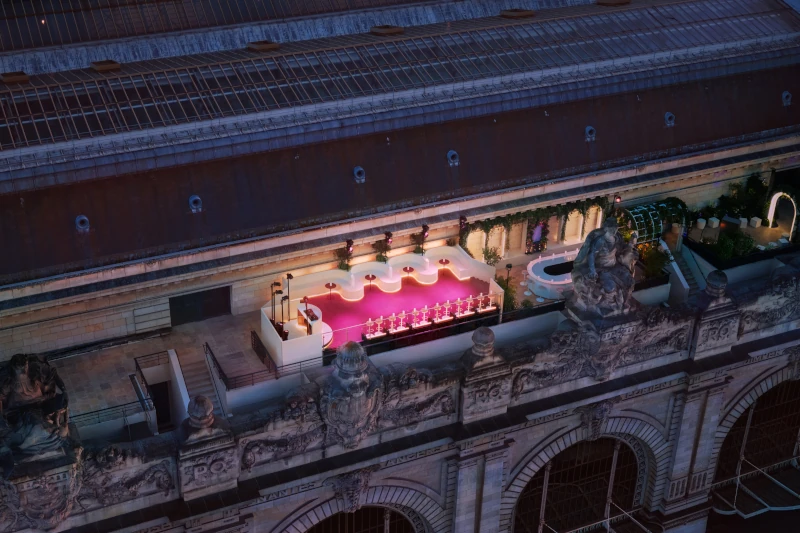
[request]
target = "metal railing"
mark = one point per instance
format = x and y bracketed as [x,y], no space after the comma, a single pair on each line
[261,351]
[142,381]
[215,366]
[153,359]
[247,380]
[108,414]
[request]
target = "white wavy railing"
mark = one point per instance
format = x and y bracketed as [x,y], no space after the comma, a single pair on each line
[568,256]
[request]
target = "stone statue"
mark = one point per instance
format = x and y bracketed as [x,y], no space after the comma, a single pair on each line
[33,405]
[602,274]
[351,397]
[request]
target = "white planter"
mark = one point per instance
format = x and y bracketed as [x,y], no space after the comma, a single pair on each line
[701,223]
[755,222]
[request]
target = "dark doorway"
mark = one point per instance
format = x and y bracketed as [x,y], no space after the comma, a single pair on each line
[200,305]
[159,394]
[365,520]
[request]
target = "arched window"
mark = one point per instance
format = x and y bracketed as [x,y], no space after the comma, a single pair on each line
[575,486]
[770,436]
[365,520]
[757,469]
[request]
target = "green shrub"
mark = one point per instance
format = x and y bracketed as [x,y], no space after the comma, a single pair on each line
[526,304]
[491,256]
[343,256]
[743,244]
[382,248]
[419,240]
[723,248]
[451,241]
[654,260]
[509,294]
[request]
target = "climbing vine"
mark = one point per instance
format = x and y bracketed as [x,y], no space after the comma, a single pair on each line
[533,216]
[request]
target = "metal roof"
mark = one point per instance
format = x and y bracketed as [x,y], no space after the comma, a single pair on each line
[34,23]
[141,215]
[80,104]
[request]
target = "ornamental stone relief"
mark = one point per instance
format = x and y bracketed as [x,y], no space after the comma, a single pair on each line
[351,488]
[771,302]
[343,408]
[113,475]
[594,418]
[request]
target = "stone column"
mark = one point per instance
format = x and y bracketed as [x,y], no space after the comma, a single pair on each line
[493,477]
[486,390]
[207,458]
[467,495]
[702,471]
[682,451]
[718,327]
[524,236]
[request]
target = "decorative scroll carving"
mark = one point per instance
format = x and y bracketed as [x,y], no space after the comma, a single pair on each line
[285,446]
[594,348]
[777,303]
[108,480]
[441,403]
[46,503]
[349,488]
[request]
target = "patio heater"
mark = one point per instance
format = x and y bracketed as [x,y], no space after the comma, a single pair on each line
[289,278]
[278,292]
[283,299]
[509,266]
[272,287]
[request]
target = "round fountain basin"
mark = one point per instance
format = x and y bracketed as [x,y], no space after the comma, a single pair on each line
[551,275]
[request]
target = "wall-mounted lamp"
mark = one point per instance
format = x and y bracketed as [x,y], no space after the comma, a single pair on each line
[388,238]
[617,199]
[425,229]
[349,244]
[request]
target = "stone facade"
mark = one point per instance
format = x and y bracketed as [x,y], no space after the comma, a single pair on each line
[449,446]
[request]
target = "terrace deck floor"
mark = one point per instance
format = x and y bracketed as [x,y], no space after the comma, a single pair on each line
[99,379]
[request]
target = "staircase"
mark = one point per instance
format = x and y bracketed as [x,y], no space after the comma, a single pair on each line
[196,376]
[687,273]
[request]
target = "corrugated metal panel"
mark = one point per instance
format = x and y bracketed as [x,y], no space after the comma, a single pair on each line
[82,104]
[140,215]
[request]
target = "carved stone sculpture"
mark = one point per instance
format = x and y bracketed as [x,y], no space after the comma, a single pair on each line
[208,460]
[596,348]
[33,404]
[594,417]
[602,273]
[351,487]
[351,397]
